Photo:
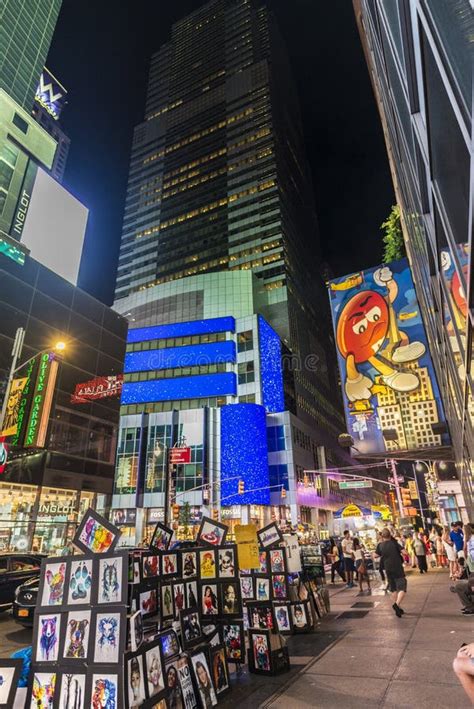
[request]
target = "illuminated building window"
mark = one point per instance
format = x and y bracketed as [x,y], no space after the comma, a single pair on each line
[245,341]
[246,372]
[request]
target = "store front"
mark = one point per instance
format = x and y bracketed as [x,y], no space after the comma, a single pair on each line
[42,519]
[362,522]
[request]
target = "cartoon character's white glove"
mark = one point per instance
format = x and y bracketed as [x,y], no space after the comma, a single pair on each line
[359,388]
[445,260]
[382,276]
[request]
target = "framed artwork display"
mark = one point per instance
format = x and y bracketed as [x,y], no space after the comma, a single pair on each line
[76,633]
[10,671]
[189,565]
[147,595]
[111,579]
[247,588]
[203,677]
[169,644]
[300,615]
[95,534]
[209,599]
[160,701]
[211,533]
[191,629]
[166,601]
[269,536]
[179,598]
[212,634]
[207,564]
[279,587]
[179,682]
[230,601]
[263,560]
[259,641]
[155,681]
[161,538]
[79,582]
[262,588]
[149,566]
[219,669]
[169,564]
[260,615]
[136,630]
[108,636]
[42,687]
[71,688]
[135,693]
[46,637]
[281,612]
[104,687]
[191,593]
[227,562]
[234,640]
[52,585]
[277,561]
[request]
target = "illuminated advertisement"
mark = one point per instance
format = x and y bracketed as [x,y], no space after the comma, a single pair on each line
[98,388]
[391,396]
[13,406]
[42,400]
[455,311]
[50,94]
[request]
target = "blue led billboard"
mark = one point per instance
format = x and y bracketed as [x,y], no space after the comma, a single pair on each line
[186,356]
[244,455]
[271,373]
[182,329]
[197,387]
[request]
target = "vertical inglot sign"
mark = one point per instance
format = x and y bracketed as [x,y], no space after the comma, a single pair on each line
[42,398]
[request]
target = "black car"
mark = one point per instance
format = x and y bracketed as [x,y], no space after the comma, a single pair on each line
[23,608]
[16,569]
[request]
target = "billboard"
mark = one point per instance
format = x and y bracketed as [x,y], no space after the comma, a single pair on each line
[98,388]
[53,226]
[390,392]
[50,94]
[10,423]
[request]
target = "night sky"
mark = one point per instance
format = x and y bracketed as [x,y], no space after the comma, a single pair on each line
[100,52]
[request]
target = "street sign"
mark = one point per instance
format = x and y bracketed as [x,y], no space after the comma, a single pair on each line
[413,490]
[180,455]
[346,484]
[400,479]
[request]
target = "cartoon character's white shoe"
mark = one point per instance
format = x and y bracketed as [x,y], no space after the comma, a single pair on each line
[408,353]
[402,381]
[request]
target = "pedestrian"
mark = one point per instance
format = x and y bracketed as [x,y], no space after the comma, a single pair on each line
[360,565]
[419,547]
[390,554]
[336,561]
[457,537]
[463,666]
[450,552]
[410,550]
[469,546]
[465,590]
[441,559]
[348,554]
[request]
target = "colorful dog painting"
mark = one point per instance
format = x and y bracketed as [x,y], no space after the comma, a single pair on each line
[77,643]
[49,638]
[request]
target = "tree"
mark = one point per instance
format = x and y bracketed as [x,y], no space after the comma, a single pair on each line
[394,246]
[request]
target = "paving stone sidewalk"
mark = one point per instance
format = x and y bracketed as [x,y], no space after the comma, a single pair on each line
[382,660]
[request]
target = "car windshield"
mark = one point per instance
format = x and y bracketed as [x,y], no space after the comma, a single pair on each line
[23,564]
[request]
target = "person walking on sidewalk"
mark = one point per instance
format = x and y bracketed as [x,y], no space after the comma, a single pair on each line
[441,559]
[336,561]
[457,537]
[348,553]
[390,553]
[360,565]
[419,547]
[450,552]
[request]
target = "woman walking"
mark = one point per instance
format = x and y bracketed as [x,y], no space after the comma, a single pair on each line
[336,562]
[419,548]
[450,552]
[361,567]
[440,552]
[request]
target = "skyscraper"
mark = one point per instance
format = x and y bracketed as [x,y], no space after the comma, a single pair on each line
[26,29]
[219,181]
[420,61]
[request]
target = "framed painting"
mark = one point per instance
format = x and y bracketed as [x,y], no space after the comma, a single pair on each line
[234,640]
[109,628]
[42,687]
[203,678]
[104,687]
[71,688]
[10,671]
[269,536]
[161,537]
[75,638]
[135,680]
[80,581]
[260,651]
[95,534]
[191,629]
[46,637]
[154,664]
[227,562]
[219,669]
[53,578]
[111,583]
[211,533]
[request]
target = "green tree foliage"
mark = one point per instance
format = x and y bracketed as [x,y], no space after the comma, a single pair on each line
[394,246]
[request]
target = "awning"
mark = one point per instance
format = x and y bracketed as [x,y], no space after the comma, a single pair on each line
[352,511]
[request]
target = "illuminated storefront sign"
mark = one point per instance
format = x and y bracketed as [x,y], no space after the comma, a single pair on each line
[13,407]
[98,388]
[57,508]
[42,400]
[391,396]
[25,404]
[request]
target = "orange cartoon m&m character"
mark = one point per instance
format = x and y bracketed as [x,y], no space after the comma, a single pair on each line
[366,329]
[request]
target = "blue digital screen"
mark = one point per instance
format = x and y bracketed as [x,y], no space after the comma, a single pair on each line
[182,329]
[197,387]
[186,356]
[271,373]
[244,455]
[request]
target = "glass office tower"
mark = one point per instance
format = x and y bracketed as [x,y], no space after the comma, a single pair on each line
[219,181]
[420,59]
[26,30]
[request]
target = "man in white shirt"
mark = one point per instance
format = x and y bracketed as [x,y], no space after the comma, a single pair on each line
[348,554]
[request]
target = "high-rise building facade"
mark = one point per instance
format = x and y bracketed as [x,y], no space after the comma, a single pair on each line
[50,99]
[420,60]
[26,30]
[219,181]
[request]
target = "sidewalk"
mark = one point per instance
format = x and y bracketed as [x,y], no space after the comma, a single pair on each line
[385,661]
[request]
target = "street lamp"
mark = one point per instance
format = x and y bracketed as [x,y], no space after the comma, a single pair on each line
[59,347]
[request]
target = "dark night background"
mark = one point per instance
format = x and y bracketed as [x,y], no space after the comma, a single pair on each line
[100,53]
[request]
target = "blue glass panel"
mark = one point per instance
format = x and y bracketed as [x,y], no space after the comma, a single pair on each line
[278,476]
[270,368]
[197,387]
[182,329]
[244,455]
[186,356]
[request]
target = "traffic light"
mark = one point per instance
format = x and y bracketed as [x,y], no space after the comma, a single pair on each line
[175,511]
[215,515]
[406,497]
[241,487]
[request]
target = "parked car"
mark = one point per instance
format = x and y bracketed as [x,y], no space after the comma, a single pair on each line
[16,569]
[24,603]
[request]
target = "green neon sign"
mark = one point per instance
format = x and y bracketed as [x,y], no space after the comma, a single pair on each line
[24,403]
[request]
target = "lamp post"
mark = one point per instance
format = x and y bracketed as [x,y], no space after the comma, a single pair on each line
[15,367]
